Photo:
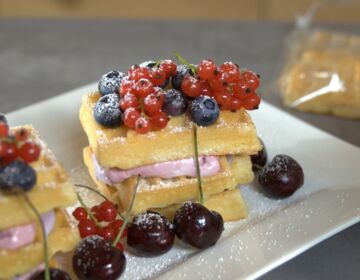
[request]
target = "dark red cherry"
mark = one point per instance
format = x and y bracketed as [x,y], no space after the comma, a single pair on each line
[150,234]
[198,226]
[55,274]
[281,177]
[95,259]
[259,160]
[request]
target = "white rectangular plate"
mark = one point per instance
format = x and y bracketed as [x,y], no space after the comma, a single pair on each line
[274,232]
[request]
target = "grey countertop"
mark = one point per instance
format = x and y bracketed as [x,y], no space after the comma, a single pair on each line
[43,58]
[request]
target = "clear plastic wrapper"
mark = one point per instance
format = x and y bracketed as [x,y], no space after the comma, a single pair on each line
[321,73]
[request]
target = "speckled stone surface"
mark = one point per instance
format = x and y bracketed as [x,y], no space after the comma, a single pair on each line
[43,58]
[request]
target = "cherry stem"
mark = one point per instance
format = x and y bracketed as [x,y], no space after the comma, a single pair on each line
[43,233]
[126,220]
[99,193]
[198,174]
[184,61]
[88,211]
[157,64]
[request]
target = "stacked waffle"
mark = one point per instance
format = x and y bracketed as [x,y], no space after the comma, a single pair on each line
[21,244]
[117,155]
[323,75]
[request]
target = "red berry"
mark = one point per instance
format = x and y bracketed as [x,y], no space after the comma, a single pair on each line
[207,69]
[142,125]
[159,120]
[158,76]
[190,86]
[107,211]
[140,73]
[143,87]
[252,102]
[152,103]
[236,104]
[223,99]
[231,72]
[4,129]
[240,90]
[29,152]
[120,246]
[80,214]
[95,211]
[86,228]
[8,153]
[169,67]
[107,233]
[128,101]
[219,83]
[21,134]
[251,80]
[131,115]
[116,225]
[133,68]
[126,86]
[205,88]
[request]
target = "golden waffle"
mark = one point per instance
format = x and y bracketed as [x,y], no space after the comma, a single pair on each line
[229,204]
[52,190]
[325,76]
[233,133]
[158,193]
[20,261]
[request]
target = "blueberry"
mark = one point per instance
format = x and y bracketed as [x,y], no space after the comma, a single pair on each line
[110,82]
[204,110]
[182,70]
[17,174]
[107,111]
[3,118]
[175,102]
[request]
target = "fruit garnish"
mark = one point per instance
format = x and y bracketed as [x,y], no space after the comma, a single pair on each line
[194,223]
[281,177]
[17,176]
[150,234]
[107,111]
[204,110]
[175,102]
[259,159]
[110,82]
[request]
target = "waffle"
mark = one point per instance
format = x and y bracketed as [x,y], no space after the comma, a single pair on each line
[52,190]
[229,204]
[17,262]
[324,76]
[159,193]
[233,133]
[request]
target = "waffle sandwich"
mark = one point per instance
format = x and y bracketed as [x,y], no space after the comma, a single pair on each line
[323,75]
[117,154]
[51,193]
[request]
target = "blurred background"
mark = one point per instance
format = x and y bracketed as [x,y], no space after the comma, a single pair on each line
[273,10]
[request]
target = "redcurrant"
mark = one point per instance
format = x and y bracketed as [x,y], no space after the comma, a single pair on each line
[143,87]
[80,214]
[142,125]
[190,86]
[207,69]
[128,101]
[29,152]
[159,120]
[131,115]
[87,228]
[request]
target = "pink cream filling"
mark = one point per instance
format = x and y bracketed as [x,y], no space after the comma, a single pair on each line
[19,236]
[209,165]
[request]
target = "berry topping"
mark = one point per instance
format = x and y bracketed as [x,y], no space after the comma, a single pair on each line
[80,214]
[107,111]
[152,103]
[259,160]
[110,82]
[142,125]
[127,86]
[107,211]
[131,115]
[251,80]
[231,72]
[21,135]
[191,86]
[182,71]
[4,129]
[143,88]
[159,120]
[169,67]
[95,259]
[196,225]
[140,73]
[17,175]
[150,234]
[281,177]
[204,110]
[8,152]
[3,119]
[207,69]
[175,102]
[55,274]
[128,101]
[86,228]
[29,152]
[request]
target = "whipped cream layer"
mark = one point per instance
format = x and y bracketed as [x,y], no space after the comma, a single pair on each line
[209,165]
[19,236]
